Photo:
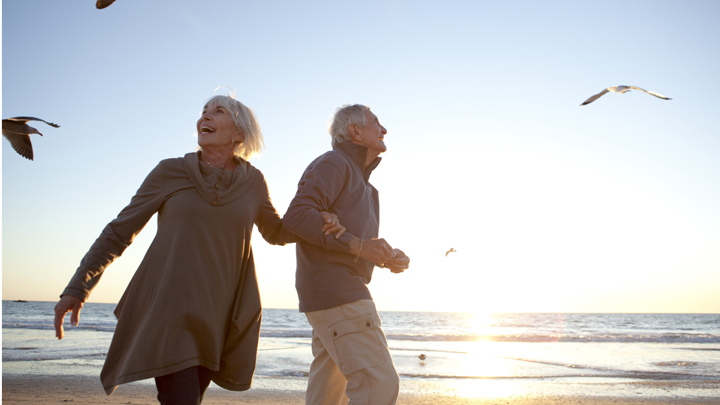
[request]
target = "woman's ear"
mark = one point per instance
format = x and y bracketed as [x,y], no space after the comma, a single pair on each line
[239,137]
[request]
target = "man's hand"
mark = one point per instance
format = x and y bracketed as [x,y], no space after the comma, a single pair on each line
[331,224]
[67,303]
[372,250]
[399,263]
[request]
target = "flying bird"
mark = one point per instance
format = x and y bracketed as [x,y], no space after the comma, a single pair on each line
[101,4]
[18,133]
[621,90]
[450,251]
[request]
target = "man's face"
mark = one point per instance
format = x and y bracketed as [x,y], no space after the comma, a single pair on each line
[372,136]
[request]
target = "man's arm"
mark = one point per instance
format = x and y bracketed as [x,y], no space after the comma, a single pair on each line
[320,185]
[318,189]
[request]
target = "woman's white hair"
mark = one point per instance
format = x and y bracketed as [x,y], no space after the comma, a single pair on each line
[246,122]
[345,115]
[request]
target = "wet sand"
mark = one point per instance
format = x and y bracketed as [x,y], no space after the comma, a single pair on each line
[43,389]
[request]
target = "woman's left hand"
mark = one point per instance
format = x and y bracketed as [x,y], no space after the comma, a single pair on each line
[331,224]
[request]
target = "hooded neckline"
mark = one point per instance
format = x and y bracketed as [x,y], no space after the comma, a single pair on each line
[217,185]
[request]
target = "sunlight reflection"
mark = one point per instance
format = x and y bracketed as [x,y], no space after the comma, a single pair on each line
[481,363]
[484,366]
[487,388]
[480,321]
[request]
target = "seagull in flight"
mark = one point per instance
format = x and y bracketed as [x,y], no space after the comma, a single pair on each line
[101,4]
[18,133]
[450,251]
[621,90]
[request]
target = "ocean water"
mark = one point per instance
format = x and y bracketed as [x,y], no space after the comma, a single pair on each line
[464,354]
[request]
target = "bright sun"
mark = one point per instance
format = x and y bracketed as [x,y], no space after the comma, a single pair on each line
[480,321]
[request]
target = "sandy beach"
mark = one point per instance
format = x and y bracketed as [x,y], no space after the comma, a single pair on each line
[86,390]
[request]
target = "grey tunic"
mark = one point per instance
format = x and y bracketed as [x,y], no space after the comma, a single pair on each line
[194,300]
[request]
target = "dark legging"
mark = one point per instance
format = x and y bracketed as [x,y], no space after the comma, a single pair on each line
[186,387]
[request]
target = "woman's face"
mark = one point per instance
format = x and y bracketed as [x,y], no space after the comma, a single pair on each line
[217,128]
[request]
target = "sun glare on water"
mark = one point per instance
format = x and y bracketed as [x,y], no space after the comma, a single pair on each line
[480,321]
[484,367]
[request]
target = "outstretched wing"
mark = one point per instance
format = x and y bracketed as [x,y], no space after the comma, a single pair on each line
[595,97]
[652,93]
[26,119]
[21,144]
[101,4]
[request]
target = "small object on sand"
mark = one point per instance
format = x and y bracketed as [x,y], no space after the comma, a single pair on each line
[101,4]
[18,133]
[422,357]
[622,90]
[450,251]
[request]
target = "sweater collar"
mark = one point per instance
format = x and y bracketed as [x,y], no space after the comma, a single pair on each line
[357,154]
[216,185]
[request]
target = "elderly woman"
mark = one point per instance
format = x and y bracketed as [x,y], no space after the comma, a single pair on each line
[191,312]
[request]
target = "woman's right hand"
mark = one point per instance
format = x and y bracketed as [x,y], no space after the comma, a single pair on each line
[331,224]
[67,303]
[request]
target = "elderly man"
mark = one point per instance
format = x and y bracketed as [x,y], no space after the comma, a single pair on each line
[352,361]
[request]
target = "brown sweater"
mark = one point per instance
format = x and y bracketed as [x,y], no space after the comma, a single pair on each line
[194,300]
[327,273]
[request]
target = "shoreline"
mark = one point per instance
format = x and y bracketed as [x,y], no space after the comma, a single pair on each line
[41,389]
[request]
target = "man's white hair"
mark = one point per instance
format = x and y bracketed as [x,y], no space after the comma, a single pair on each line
[245,121]
[344,116]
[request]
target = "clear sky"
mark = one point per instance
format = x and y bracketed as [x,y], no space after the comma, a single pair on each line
[609,207]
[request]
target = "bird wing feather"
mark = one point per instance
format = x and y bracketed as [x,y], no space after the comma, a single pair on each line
[595,97]
[21,143]
[101,4]
[652,93]
[26,119]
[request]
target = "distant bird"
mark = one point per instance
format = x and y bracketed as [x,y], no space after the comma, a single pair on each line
[621,90]
[450,251]
[422,357]
[18,133]
[101,4]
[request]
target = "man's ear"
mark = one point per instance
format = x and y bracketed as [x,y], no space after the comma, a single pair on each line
[354,132]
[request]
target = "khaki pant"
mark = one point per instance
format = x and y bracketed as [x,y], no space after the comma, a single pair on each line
[352,361]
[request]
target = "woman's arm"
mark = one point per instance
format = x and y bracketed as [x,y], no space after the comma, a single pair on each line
[111,243]
[274,232]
